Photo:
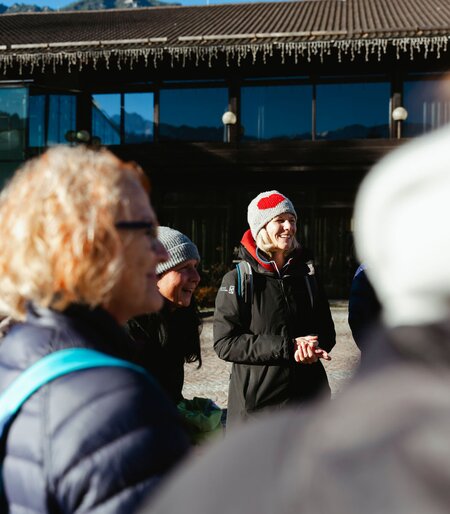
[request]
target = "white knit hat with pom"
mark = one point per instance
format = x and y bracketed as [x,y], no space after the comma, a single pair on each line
[265,207]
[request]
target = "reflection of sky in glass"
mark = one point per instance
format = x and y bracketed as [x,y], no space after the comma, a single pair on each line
[343,105]
[13,112]
[106,118]
[269,112]
[139,103]
[193,107]
[14,101]
[61,119]
[428,105]
[109,104]
[138,117]
[192,114]
[105,108]
[37,121]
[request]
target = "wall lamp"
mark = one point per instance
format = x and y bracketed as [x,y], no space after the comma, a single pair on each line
[82,137]
[399,114]
[228,119]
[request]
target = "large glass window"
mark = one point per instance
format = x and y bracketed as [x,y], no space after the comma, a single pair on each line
[192,114]
[106,118]
[428,105]
[36,122]
[61,118]
[46,130]
[352,110]
[276,112]
[138,112]
[13,115]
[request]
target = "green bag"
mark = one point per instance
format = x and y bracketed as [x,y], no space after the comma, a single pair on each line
[202,417]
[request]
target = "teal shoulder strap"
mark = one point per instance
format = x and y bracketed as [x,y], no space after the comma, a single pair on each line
[245,281]
[49,368]
[245,290]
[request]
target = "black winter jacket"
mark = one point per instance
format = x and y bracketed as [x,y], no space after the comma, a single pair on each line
[163,342]
[93,441]
[264,372]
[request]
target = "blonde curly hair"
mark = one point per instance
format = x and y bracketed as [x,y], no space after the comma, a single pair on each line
[59,240]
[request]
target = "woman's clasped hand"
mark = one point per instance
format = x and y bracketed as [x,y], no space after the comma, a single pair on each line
[308,351]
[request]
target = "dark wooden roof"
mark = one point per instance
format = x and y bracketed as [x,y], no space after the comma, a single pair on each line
[304,25]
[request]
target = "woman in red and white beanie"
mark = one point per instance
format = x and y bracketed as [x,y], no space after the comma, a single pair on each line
[276,331]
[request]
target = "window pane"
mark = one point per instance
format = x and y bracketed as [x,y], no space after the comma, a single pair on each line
[106,118]
[428,105]
[192,114]
[13,113]
[138,117]
[61,118]
[276,112]
[36,123]
[352,111]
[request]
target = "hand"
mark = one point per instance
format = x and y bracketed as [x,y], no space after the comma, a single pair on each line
[307,350]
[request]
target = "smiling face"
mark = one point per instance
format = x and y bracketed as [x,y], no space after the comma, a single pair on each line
[137,291]
[179,283]
[281,231]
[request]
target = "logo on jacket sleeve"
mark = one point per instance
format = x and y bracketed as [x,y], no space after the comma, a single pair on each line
[229,290]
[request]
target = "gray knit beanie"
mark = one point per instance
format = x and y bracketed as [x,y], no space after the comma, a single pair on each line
[179,247]
[265,207]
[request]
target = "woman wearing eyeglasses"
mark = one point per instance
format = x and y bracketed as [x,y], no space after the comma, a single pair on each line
[79,258]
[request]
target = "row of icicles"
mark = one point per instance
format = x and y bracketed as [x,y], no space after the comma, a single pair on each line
[233,53]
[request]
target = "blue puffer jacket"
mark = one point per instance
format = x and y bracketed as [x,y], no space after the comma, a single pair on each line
[94,441]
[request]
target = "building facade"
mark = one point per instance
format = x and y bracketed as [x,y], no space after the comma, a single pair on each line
[312,86]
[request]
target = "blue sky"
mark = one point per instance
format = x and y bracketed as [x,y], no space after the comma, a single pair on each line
[55,4]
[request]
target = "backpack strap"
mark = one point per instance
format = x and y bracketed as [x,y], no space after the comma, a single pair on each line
[311,283]
[245,290]
[49,368]
[40,373]
[245,281]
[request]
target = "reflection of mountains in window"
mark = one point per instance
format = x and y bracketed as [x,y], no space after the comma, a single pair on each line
[278,137]
[355,131]
[137,128]
[188,133]
[10,121]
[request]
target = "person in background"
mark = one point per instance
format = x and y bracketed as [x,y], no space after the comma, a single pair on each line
[79,258]
[164,341]
[382,444]
[363,307]
[277,339]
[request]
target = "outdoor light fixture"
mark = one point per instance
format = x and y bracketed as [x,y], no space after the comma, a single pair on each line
[399,114]
[228,119]
[82,137]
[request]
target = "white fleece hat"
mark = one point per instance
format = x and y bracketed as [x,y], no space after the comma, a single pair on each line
[265,207]
[401,214]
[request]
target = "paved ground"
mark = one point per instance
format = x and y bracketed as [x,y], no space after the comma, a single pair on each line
[211,380]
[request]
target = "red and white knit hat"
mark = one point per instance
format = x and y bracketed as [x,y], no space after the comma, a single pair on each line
[265,207]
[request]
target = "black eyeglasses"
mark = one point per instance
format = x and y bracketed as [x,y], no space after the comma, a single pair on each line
[149,228]
[135,225]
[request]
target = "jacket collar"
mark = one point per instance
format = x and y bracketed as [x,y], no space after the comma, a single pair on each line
[249,252]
